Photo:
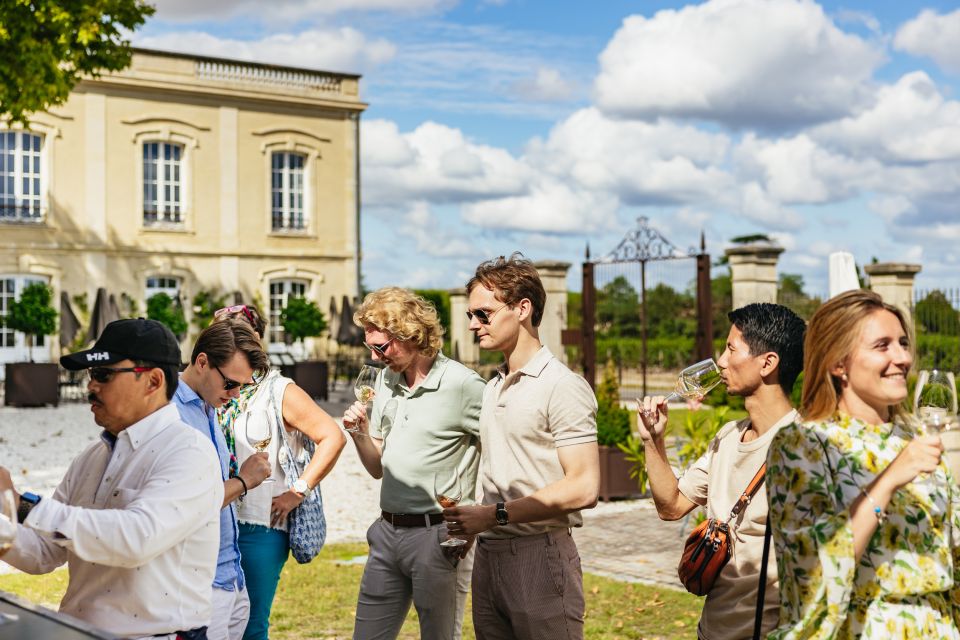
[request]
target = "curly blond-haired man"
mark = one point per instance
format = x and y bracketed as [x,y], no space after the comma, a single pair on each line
[424,421]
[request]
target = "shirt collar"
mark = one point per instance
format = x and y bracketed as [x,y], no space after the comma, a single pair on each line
[149,427]
[186,395]
[431,382]
[534,366]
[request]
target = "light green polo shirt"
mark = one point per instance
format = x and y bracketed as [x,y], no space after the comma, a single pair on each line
[434,426]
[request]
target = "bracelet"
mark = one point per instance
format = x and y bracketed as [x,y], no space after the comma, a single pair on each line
[244,485]
[877,511]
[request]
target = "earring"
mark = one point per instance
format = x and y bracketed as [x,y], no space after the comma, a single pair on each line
[843,376]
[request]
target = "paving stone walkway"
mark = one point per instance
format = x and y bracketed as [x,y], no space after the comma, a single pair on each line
[631,544]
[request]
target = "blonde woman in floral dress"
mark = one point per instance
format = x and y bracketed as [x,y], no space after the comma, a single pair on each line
[863,513]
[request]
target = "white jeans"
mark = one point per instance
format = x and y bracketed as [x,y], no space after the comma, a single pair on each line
[231,609]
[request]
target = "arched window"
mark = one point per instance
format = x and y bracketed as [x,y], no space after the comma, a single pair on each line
[280,292]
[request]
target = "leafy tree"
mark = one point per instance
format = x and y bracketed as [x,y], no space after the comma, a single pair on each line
[164,309]
[791,294]
[721,296]
[440,299]
[32,314]
[613,421]
[618,308]
[46,46]
[935,314]
[670,313]
[302,318]
[205,303]
[574,309]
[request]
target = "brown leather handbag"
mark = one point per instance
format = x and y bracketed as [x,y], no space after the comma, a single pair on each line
[708,547]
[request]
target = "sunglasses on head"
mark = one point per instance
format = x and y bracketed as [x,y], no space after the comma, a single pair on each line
[230,385]
[237,308]
[379,348]
[483,316]
[103,375]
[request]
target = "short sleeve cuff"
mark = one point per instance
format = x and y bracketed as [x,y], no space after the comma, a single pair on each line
[689,491]
[567,441]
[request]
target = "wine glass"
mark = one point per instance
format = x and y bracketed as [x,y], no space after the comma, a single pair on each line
[447,489]
[8,520]
[694,382]
[363,389]
[935,406]
[258,429]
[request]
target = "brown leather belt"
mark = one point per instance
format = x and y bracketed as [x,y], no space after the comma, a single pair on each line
[412,519]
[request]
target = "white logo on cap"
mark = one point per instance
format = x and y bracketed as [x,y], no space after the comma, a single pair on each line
[101,355]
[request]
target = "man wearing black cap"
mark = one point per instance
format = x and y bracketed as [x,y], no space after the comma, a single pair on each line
[137,514]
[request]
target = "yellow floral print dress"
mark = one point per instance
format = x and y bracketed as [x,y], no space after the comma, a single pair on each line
[905,584]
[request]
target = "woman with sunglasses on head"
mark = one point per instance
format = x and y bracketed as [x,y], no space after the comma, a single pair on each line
[863,513]
[263,511]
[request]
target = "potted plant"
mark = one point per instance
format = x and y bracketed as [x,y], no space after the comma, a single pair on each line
[32,383]
[613,438]
[302,319]
[164,309]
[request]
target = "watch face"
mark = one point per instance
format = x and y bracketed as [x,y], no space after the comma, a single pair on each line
[300,486]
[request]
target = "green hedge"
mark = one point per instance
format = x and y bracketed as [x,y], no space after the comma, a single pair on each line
[936,350]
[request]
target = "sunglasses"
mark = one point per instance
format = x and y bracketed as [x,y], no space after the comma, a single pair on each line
[103,375]
[230,385]
[482,316]
[237,308]
[380,349]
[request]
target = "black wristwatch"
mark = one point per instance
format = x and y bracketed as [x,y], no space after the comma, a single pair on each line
[27,502]
[502,517]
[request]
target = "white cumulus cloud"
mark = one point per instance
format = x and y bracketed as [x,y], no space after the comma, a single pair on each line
[763,63]
[434,163]
[932,35]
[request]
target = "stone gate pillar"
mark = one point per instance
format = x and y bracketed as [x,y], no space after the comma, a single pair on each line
[462,343]
[894,282]
[753,271]
[553,274]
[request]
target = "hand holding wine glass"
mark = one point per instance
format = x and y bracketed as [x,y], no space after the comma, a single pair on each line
[448,491]
[363,390]
[258,429]
[693,383]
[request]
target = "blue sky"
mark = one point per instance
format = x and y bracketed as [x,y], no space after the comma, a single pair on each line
[503,125]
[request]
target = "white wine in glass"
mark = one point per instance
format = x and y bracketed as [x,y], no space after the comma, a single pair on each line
[258,429]
[695,382]
[446,488]
[363,387]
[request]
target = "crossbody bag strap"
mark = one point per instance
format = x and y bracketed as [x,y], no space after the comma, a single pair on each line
[762,587]
[277,417]
[749,492]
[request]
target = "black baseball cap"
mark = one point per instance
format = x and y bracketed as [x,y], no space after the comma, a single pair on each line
[134,339]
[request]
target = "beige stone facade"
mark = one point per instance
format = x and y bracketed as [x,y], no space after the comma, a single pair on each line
[186,173]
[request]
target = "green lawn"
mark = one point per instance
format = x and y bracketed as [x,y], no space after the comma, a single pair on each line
[317,601]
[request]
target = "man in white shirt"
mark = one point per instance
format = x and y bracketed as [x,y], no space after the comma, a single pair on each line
[136,517]
[761,361]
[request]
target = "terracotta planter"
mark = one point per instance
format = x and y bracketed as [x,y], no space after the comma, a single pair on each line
[615,480]
[312,377]
[31,384]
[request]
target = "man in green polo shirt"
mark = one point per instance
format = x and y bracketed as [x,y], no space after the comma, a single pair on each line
[424,421]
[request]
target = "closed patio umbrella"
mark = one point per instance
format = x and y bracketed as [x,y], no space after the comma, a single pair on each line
[843,273]
[69,324]
[103,313]
[348,334]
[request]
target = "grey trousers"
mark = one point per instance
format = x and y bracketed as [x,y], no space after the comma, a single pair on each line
[528,588]
[408,564]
